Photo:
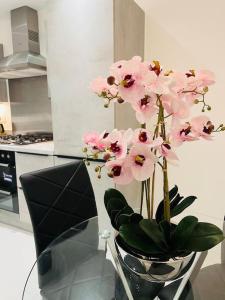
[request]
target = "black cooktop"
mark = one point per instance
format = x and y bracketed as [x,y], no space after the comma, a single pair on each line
[26,139]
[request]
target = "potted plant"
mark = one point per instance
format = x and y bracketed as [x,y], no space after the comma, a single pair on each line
[153,246]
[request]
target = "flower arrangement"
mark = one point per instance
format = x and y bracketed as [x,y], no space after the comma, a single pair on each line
[164,98]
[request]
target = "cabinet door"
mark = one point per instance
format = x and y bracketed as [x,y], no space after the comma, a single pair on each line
[3,90]
[75,57]
[99,186]
[26,162]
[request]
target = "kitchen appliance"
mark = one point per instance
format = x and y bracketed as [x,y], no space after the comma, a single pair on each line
[8,185]
[26,60]
[26,139]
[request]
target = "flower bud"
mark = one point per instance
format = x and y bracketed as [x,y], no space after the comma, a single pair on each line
[120,100]
[99,176]
[97,169]
[106,105]
[111,80]
[110,174]
[203,110]
[196,101]
[85,149]
[106,156]
[209,107]
[205,90]
[223,128]
[87,163]
[221,125]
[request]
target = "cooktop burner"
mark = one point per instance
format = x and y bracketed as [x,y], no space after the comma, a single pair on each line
[26,139]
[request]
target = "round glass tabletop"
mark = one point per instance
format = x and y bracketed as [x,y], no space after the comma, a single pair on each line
[82,264]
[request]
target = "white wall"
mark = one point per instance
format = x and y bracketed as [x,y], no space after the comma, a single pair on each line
[191,34]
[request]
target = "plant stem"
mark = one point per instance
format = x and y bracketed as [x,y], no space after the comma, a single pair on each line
[147,194]
[165,171]
[142,196]
[153,195]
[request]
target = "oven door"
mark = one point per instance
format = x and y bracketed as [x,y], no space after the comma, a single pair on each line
[8,188]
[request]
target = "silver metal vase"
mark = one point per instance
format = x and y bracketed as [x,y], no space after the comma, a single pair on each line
[151,269]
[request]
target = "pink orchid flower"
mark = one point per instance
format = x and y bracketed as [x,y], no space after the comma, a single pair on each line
[129,75]
[100,85]
[158,84]
[178,82]
[144,136]
[116,144]
[176,105]
[94,140]
[201,79]
[145,108]
[120,171]
[141,161]
[202,127]
[167,151]
[181,133]
[205,78]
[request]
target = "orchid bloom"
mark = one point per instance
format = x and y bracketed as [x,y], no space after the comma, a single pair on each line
[176,105]
[181,133]
[202,127]
[145,108]
[116,144]
[129,75]
[144,136]
[167,152]
[141,161]
[119,171]
[158,84]
[94,140]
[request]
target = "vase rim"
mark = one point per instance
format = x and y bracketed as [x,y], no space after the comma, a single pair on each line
[155,260]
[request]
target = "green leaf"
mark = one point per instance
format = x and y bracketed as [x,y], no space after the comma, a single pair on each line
[152,230]
[128,219]
[183,232]
[204,237]
[113,193]
[166,228]
[134,237]
[115,204]
[176,201]
[159,211]
[182,206]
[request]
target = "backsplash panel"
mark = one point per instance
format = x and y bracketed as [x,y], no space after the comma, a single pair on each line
[30,105]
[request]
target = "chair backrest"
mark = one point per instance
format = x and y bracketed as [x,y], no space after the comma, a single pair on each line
[58,198]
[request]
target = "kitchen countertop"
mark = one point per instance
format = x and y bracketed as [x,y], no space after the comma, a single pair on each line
[38,148]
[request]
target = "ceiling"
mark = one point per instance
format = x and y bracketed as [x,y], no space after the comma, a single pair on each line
[7,5]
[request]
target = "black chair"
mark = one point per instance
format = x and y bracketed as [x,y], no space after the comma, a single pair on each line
[58,198]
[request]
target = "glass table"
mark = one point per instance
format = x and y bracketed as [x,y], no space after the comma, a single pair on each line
[82,264]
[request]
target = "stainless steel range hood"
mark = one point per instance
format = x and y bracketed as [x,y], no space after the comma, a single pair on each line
[26,60]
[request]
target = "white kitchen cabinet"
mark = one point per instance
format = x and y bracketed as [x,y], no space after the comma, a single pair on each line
[94,34]
[99,186]
[25,163]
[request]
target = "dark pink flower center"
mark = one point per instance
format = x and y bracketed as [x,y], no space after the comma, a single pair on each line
[145,101]
[143,137]
[208,128]
[139,160]
[114,147]
[116,171]
[105,135]
[186,131]
[167,146]
[128,81]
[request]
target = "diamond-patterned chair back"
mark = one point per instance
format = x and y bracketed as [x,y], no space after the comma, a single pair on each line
[58,198]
